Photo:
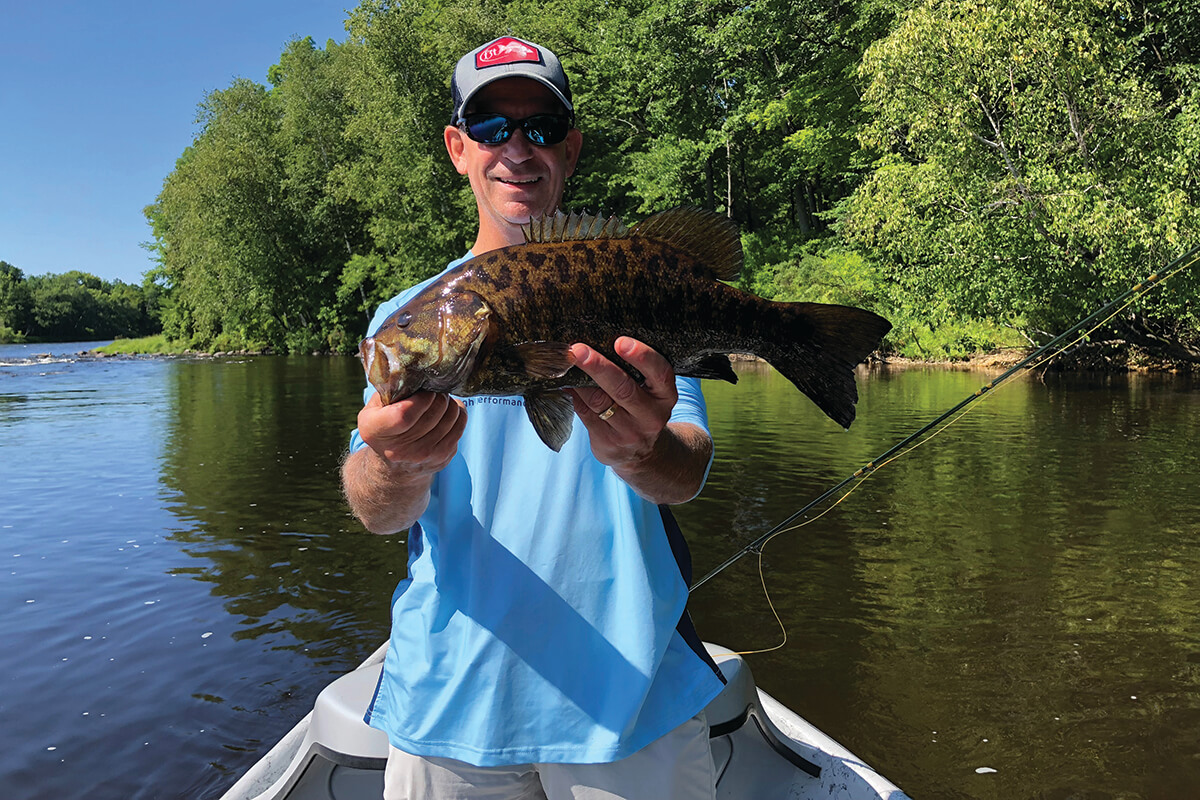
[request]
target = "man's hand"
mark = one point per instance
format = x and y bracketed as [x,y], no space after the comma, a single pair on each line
[416,435]
[623,418]
[627,423]
[387,483]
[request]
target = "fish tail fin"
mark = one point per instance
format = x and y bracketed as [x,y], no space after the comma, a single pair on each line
[820,349]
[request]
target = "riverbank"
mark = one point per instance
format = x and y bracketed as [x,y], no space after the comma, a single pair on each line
[1087,359]
[161,345]
[146,345]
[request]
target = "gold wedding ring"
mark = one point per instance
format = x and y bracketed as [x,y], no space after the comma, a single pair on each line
[608,412]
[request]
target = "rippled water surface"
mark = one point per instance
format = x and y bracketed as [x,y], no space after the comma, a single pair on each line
[181,578]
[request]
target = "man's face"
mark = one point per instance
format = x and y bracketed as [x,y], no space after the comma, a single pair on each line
[516,180]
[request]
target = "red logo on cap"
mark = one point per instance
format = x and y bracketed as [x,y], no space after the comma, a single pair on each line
[506,51]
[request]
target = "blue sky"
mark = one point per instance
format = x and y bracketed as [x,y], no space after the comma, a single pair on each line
[98,99]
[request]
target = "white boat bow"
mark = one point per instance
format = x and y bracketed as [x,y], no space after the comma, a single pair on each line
[761,748]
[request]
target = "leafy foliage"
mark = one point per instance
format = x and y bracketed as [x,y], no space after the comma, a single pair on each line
[1031,165]
[73,306]
[980,172]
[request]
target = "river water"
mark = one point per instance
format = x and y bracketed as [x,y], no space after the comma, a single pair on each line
[1017,596]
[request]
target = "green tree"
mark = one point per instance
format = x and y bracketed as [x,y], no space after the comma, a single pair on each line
[250,238]
[308,84]
[220,226]
[65,306]
[77,306]
[1016,161]
[15,303]
[1032,167]
[397,91]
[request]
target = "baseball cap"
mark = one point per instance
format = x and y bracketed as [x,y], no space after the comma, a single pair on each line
[506,57]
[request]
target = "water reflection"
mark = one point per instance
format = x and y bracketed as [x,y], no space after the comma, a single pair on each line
[252,454]
[1016,594]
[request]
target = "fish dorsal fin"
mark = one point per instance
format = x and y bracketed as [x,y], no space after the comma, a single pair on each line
[710,238]
[572,227]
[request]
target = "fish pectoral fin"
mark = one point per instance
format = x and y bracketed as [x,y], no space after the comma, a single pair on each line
[713,367]
[552,415]
[545,359]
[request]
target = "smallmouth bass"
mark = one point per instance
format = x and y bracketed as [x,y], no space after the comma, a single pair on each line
[503,322]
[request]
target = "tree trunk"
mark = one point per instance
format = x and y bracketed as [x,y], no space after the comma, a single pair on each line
[709,184]
[729,179]
[746,193]
[812,191]
[800,204]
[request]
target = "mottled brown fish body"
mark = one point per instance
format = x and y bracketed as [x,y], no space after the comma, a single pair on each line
[503,322]
[597,291]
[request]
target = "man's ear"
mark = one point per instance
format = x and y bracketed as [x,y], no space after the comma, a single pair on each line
[456,147]
[574,148]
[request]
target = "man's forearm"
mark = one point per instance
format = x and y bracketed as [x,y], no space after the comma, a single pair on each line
[385,499]
[674,471]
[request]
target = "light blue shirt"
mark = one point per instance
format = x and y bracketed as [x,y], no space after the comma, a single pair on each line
[538,622]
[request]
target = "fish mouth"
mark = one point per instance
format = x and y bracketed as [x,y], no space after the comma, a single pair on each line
[383,370]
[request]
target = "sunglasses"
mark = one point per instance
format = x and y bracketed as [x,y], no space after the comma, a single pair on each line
[541,129]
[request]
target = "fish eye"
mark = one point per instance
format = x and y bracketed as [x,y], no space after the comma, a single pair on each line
[403,319]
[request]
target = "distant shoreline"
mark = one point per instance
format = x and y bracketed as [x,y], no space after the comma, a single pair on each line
[994,361]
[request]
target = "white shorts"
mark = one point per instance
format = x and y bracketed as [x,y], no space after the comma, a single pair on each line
[678,766]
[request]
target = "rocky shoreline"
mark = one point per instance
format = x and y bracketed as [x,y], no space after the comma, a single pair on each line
[996,361]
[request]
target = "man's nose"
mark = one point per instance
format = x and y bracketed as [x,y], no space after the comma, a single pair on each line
[518,147]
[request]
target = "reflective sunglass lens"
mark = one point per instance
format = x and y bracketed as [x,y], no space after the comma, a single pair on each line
[541,129]
[545,129]
[492,129]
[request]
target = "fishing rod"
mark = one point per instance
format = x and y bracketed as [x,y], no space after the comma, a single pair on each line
[1185,261]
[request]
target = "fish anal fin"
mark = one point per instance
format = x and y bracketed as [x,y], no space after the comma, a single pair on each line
[711,239]
[545,359]
[552,415]
[714,367]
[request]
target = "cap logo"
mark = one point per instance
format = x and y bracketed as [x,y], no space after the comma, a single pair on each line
[507,51]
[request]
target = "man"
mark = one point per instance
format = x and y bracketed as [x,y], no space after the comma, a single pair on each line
[540,646]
